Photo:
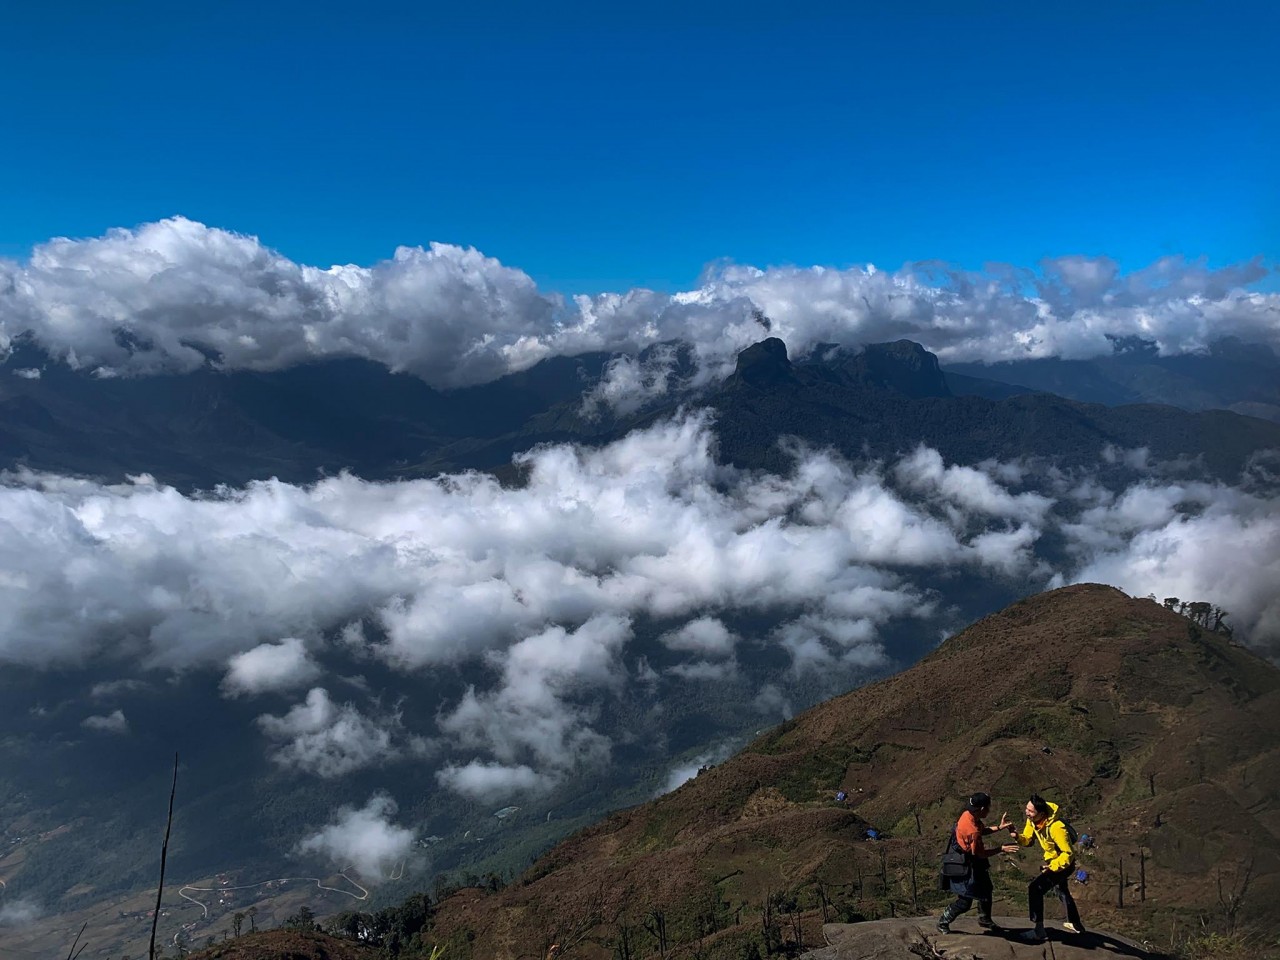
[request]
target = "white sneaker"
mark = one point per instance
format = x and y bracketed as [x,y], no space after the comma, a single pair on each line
[1071,927]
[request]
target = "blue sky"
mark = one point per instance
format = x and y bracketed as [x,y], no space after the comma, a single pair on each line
[606,146]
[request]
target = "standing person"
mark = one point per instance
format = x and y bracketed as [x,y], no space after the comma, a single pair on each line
[976,885]
[1044,825]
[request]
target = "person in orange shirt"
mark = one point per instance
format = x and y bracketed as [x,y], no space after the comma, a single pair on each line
[976,884]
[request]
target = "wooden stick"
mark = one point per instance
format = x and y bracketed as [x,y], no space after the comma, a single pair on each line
[72,951]
[164,855]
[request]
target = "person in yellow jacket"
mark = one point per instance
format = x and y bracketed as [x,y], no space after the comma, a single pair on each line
[1045,827]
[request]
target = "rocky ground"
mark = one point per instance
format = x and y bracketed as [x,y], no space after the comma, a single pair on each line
[918,939]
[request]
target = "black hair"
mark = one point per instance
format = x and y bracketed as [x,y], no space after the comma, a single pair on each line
[1040,804]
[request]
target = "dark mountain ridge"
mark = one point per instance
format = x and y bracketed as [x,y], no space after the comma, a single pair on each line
[211,427]
[892,397]
[1230,374]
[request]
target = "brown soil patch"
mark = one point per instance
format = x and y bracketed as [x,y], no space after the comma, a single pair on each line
[286,945]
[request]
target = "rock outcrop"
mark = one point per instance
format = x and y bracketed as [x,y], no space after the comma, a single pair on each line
[918,939]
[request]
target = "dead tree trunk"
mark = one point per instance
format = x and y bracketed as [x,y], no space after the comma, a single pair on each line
[164,855]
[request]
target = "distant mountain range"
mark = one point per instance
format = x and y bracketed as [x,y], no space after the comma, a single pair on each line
[208,427]
[890,397]
[1230,375]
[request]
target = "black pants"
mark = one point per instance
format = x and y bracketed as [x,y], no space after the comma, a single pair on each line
[980,888]
[962,904]
[1051,880]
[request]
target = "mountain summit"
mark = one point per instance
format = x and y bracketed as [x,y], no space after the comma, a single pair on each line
[764,364]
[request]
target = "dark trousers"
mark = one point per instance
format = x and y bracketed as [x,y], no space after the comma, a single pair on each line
[1055,880]
[962,904]
[979,889]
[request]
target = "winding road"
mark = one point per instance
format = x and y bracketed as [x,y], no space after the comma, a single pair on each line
[364,894]
[187,927]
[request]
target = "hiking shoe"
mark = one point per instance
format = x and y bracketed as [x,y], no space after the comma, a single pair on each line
[990,925]
[943,926]
[1072,928]
[1033,936]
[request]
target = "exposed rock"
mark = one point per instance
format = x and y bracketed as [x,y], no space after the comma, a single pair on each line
[764,364]
[917,938]
[903,367]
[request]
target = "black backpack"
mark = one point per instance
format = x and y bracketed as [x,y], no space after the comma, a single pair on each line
[956,864]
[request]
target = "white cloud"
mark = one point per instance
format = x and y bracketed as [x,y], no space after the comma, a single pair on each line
[533,590]
[822,643]
[447,570]
[113,722]
[19,912]
[705,635]
[107,689]
[162,296]
[140,569]
[684,772]
[969,488]
[1007,551]
[366,839]
[705,670]
[630,382]
[532,717]
[444,569]
[327,739]
[1227,553]
[1114,518]
[269,667]
[493,781]
[885,529]
[771,701]
[447,313]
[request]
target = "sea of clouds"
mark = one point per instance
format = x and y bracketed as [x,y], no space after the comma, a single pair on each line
[543,584]
[166,296]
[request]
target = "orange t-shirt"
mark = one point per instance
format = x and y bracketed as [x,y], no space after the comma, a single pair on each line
[969,836]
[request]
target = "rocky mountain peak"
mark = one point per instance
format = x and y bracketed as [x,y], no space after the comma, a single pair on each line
[764,364]
[903,366]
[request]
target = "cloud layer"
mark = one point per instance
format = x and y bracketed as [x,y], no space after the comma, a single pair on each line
[167,296]
[365,839]
[270,666]
[19,913]
[327,739]
[113,722]
[536,593]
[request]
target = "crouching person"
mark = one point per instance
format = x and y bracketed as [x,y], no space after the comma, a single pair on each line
[976,884]
[1050,831]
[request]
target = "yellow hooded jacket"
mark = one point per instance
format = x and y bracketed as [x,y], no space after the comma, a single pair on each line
[1053,838]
